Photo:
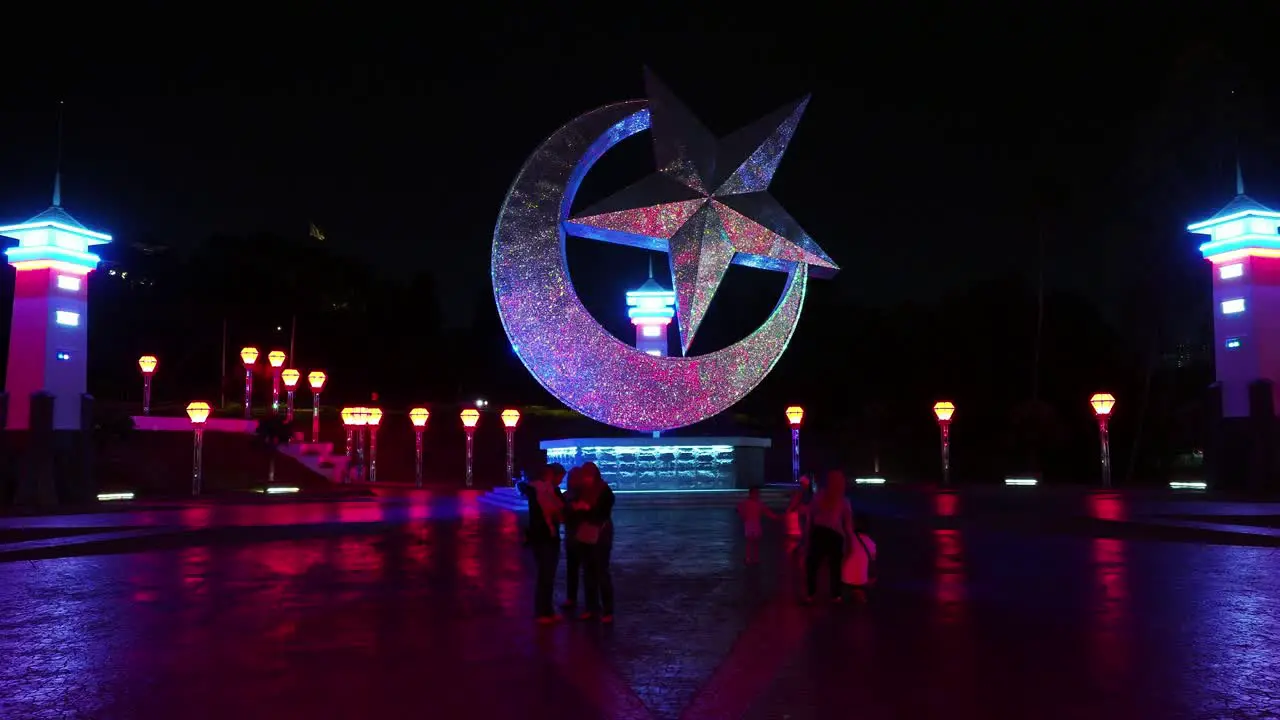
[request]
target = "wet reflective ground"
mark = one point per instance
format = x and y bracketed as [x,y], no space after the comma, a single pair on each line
[992,605]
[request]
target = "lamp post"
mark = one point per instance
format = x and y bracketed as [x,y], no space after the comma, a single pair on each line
[248,356]
[795,416]
[199,414]
[943,411]
[349,422]
[290,378]
[419,417]
[1102,405]
[360,418]
[372,419]
[511,418]
[276,359]
[148,365]
[316,379]
[470,417]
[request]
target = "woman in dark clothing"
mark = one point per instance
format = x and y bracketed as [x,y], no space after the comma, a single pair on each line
[572,548]
[545,511]
[595,535]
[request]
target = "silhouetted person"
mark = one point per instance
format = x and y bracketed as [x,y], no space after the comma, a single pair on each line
[573,551]
[595,533]
[546,508]
[829,535]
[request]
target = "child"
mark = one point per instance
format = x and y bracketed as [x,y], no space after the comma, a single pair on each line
[752,511]
[859,565]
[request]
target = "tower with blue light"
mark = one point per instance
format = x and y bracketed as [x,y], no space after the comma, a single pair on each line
[651,308]
[48,340]
[1243,247]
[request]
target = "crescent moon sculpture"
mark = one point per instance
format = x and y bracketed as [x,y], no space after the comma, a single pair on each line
[559,341]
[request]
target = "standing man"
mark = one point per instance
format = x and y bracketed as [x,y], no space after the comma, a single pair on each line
[546,512]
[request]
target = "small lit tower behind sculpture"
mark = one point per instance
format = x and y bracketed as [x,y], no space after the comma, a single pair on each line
[651,308]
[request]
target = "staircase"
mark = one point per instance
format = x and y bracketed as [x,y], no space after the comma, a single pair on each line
[775,496]
[318,458]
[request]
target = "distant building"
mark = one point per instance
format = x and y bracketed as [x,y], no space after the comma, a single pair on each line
[1244,250]
[48,339]
[1185,355]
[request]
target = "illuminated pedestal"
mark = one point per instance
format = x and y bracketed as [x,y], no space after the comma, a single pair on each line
[666,464]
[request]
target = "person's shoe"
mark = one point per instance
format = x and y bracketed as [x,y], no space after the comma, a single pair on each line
[806,600]
[588,615]
[568,605]
[607,618]
[548,619]
[837,599]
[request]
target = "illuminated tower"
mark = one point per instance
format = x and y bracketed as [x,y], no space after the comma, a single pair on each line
[1244,249]
[651,308]
[48,348]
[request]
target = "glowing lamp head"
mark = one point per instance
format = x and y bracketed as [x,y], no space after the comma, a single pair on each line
[290,378]
[198,412]
[795,415]
[147,363]
[419,417]
[276,358]
[316,378]
[372,416]
[1102,404]
[360,416]
[511,418]
[944,410]
[348,416]
[249,356]
[470,417]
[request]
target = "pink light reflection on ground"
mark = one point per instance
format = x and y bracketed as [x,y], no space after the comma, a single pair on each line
[1108,639]
[946,504]
[949,576]
[1107,506]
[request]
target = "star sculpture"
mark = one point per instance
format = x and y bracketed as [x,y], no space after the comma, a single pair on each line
[707,205]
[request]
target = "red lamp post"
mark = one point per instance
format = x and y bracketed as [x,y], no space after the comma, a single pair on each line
[316,379]
[349,422]
[795,416]
[372,420]
[1102,404]
[419,417]
[147,363]
[290,378]
[276,359]
[511,418]
[943,411]
[470,417]
[199,414]
[248,356]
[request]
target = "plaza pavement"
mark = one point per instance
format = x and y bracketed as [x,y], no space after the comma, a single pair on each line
[1004,603]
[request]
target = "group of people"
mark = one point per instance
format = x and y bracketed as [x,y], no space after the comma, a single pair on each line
[584,509]
[830,535]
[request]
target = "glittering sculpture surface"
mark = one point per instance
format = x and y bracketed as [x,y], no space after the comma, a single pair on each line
[706,207]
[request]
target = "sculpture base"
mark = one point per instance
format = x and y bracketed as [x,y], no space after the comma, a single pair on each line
[667,464]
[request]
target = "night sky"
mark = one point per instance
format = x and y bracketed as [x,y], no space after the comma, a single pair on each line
[937,149]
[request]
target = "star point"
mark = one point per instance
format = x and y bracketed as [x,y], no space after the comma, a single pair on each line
[702,230]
